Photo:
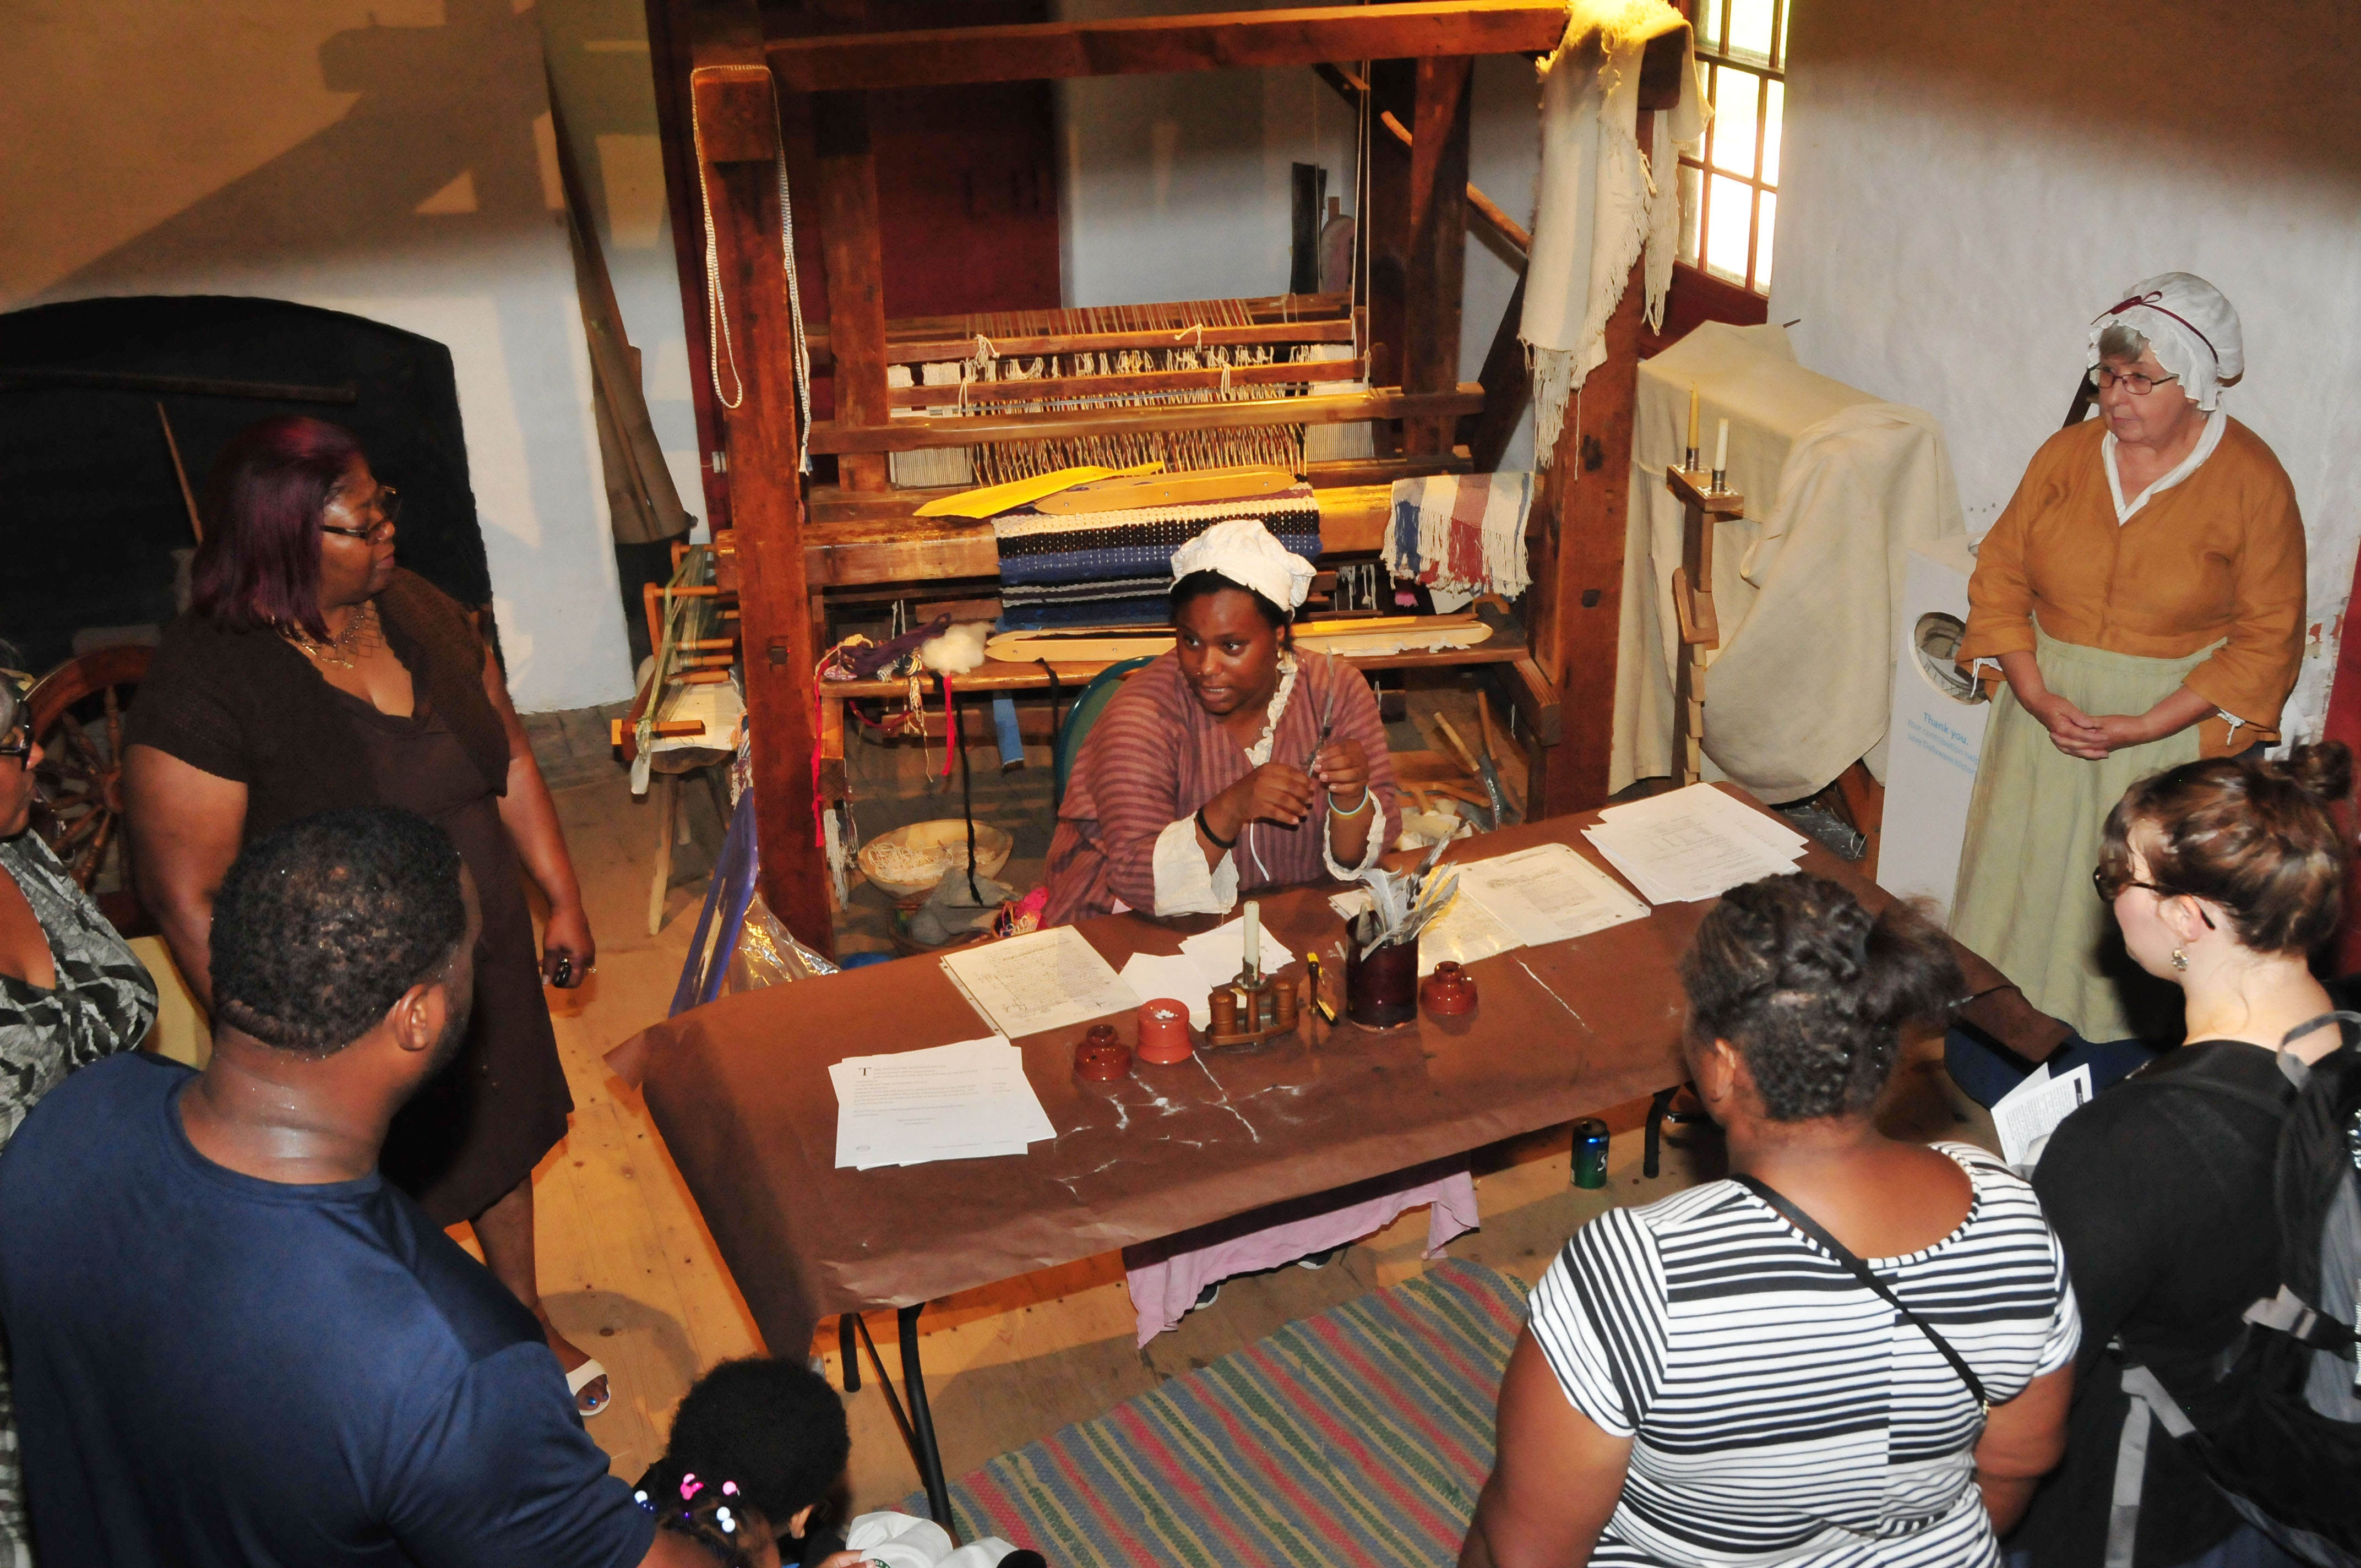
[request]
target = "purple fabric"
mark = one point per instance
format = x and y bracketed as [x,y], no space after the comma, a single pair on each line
[1165,1283]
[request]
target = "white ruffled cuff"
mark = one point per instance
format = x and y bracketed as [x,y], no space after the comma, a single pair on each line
[1184,884]
[1377,845]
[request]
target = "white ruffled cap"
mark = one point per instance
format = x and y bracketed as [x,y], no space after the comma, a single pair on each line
[1245,551]
[2192,328]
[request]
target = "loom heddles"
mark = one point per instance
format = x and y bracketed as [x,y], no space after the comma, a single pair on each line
[1272,446]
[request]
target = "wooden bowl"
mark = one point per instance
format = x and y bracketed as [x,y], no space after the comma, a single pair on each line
[909,861]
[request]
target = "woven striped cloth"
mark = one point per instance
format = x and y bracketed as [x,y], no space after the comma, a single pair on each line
[1114,569]
[1357,1439]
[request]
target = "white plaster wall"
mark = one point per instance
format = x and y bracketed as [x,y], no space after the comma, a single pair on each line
[389,157]
[1176,187]
[1964,186]
[606,90]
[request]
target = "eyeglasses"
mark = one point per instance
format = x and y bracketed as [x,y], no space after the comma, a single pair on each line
[2141,385]
[2111,885]
[387,504]
[16,718]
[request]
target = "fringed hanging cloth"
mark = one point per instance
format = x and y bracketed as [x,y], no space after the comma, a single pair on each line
[1599,202]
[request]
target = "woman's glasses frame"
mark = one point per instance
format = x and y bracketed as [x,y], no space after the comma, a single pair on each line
[387,504]
[2110,888]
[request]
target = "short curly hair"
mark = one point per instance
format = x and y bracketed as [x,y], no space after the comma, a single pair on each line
[1814,992]
[321,926]
[774,1427]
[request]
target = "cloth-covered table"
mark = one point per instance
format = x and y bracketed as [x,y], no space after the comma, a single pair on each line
[739,1090]
[1807,585]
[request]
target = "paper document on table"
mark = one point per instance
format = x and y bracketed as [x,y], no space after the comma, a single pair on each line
[1220,953]
[1173,977]
[1693,844]
[966,1100]
[1463,933]
[1548,893]
[2028,1114]
[1044,979]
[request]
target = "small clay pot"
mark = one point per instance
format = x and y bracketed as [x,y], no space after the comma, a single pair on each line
[1449,991]
[1102,1057]
[1164,1032]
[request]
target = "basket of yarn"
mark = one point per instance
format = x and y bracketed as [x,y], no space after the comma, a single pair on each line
[909,861]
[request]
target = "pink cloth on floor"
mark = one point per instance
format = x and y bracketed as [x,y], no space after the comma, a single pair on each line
[1166,1279]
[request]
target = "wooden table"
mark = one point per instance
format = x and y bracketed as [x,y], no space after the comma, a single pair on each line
[739,1090]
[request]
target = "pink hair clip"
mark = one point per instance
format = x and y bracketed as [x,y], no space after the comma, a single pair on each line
[690,1486]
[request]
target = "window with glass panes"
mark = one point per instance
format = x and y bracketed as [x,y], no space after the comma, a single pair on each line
[1729,192]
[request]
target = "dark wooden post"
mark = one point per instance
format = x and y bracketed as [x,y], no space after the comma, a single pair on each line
[737,122]
[1384,228]
[1438,242]
[856,293]
[1581,515]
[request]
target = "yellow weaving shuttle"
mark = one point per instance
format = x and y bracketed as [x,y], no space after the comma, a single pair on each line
[994,500]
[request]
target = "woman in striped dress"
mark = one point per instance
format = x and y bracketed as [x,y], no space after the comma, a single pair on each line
[1709,1379]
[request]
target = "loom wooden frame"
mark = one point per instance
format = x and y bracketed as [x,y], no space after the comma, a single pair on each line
[718,79]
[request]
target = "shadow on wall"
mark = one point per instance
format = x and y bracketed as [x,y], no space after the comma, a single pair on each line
[2228,87]
[432,204]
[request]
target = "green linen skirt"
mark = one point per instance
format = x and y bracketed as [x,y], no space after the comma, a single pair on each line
[2025,899]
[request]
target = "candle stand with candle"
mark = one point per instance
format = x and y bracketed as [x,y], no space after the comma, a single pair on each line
[1704,505]
[1251,1009]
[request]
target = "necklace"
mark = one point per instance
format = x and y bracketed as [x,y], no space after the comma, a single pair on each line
[347,648]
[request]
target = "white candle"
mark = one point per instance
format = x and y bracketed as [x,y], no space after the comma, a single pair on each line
[1721,448]
[1253,938]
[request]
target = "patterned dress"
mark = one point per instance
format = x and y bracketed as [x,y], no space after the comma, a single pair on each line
[103,1003]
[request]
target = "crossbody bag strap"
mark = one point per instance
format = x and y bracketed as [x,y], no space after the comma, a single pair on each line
[1862,1272]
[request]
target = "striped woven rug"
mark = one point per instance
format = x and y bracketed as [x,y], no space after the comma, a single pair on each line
[1358,1436]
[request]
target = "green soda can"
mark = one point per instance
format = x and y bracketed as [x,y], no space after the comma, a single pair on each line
[1590,1153]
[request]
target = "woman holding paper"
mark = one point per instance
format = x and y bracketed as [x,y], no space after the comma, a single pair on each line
[2223,875]
[1236,762]
[2143,596]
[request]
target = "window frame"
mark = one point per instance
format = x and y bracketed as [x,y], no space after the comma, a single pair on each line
[1765,70]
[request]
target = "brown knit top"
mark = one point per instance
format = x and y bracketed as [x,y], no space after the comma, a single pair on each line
[246,706]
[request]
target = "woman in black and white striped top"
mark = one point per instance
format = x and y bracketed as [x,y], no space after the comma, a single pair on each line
[1702,1382]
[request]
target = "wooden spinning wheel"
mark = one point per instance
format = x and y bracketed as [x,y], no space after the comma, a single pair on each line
[77,712]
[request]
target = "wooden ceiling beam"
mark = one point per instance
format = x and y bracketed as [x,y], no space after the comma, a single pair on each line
[1145,45]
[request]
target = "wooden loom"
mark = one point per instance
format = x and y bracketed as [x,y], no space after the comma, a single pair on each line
[1410,63]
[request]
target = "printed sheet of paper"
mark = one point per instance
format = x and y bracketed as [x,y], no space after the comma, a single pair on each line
[966,1100]
[1547,893]
[1155,975]
[1044,979]
[2028,1114]
[1693,844]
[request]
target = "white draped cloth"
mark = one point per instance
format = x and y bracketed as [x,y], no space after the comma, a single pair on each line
[1807,585]
[1598,201]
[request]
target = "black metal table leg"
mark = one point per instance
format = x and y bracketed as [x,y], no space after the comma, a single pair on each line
[922,1421]
[847,1350]
[917,1426]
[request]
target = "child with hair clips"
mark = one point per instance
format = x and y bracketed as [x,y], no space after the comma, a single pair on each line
[757,1446]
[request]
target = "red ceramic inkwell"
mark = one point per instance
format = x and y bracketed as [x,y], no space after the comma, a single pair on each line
[1449,991]
[1164,1032]
[1102,1057]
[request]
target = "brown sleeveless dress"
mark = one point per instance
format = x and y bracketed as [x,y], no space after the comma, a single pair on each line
[478,1128]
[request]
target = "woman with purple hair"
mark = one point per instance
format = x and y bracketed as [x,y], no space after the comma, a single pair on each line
[311,673]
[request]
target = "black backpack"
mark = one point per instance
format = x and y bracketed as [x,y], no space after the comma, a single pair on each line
[2278,1426]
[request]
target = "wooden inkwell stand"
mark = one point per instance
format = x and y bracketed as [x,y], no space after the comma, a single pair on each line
[1251,1009]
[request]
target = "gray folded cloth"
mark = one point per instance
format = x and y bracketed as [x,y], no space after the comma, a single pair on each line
[952,911]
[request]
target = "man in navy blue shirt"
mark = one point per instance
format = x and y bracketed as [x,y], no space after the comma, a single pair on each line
[236,1346]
